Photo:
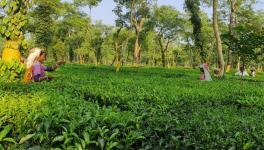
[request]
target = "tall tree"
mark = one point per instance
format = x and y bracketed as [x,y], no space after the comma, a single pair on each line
[247,39]
[167,24]
[193,6]
[232,23]
[234,8]
[44,25]
[43,16]
[120,24]
[77,29]
[72,29]
[137,13]
[219,50]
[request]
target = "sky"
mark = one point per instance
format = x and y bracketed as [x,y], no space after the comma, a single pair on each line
[104,11]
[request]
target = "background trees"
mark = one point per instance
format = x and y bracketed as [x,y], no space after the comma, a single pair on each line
[144,33]
[168,24]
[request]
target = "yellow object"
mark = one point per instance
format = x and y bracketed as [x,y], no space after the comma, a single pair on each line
[228,68]
[11,44]
[118,66]
[10,54]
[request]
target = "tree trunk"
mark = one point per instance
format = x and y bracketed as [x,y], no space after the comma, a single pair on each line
[98,56]
[138,24]
[231,32]
[163,51]
[238,64]
[71,54]
[125,48]
[137,49]
[117,50]
[166,49]
[260,68]
[118,57]
[219,49]
[190,54]
[81,61]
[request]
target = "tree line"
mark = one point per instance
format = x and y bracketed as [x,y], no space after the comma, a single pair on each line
[144,33]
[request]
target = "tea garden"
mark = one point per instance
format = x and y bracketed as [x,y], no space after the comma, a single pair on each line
[93,107]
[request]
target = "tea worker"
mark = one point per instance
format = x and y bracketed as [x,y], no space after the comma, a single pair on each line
[35,70]
[205,75]
[242,72]
[253,71]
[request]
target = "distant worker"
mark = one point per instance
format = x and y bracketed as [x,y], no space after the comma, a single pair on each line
[35,68]
[205,75]
[217,72]
[253,71]
[242,72]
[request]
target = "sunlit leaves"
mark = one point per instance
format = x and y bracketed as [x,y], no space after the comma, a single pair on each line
[15,18]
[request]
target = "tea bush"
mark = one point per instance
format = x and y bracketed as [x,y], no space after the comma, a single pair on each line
[11,71]
[88,107]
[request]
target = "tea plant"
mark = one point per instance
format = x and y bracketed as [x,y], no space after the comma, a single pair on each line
[89,107]
[11,71]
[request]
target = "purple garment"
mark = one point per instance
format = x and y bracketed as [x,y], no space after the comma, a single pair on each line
[38,71]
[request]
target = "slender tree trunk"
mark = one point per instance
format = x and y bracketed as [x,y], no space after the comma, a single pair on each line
[81,59]
[71,52]
[260,68]
[218,39]
[163,51]
[166,49]
[137,49]
[231,32]
[126,45]
[113,61]
[138,24]
[117,50]
[163,59]
[118,59]
[118,56]
[238,64]
[190,54]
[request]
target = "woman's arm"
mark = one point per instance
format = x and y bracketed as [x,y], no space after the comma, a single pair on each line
[55,66]
[38,78]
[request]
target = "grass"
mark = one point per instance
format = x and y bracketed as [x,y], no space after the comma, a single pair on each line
[89,107]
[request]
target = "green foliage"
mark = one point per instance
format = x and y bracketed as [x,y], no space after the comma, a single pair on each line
[137,8]
[43,24]
[1,44]
[193,6]
[89,107]
[90,3]
[59,49]
[4,130]
[248,41]
[167,22]
[11,72]
[15,18]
